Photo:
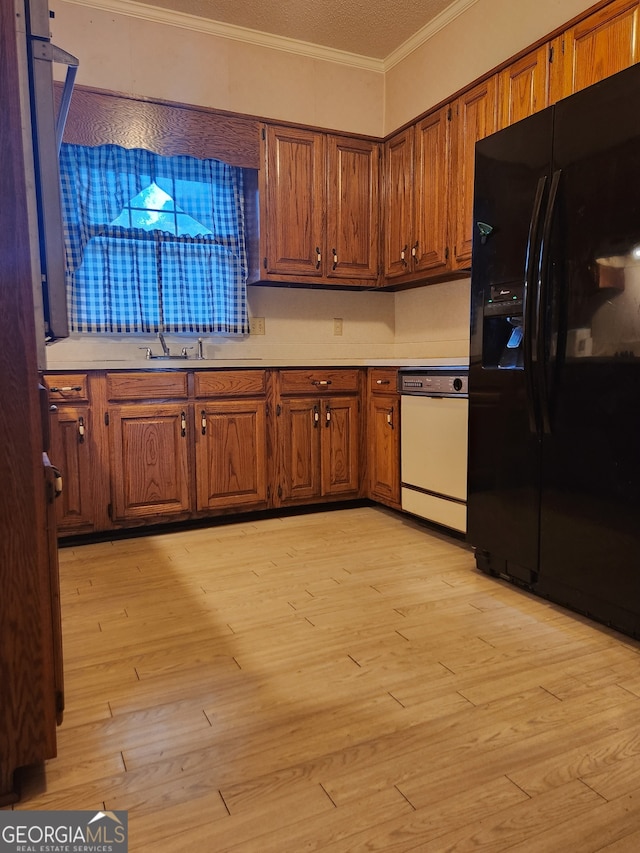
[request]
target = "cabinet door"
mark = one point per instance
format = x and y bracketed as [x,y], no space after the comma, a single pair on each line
[431,198]
[71,440]
[149,460]
[398,206]
[523,87]
[475,116]
[340,445]
[600,45]
[231,445]
[352,244]
[299,423]
[384,449]
[293,220]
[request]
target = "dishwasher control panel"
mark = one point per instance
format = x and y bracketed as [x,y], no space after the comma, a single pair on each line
[435,382]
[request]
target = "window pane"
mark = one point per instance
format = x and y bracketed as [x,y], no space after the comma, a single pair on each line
[153,198]
[187,226]
[123,220]
[152,220]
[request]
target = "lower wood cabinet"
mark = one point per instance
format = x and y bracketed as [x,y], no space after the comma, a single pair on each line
[73,450]
[231,454]
[71,437]
[383,437]
[318,434]
[320,448]
[149,452]
[150,447]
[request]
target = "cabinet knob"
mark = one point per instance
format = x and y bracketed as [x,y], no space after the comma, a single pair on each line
[382,381]
[318,257]
[321,382]
[81,429]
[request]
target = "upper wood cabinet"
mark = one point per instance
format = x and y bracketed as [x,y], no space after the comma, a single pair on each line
[416,172]
[475,116]
[600,45]
[523,87]
[353,210]
[319,208]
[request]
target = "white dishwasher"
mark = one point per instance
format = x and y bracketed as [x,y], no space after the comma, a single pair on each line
[434,411]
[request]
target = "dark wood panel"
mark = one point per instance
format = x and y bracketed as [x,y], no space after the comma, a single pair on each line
[27,691]
[138,385]
[229,383]
[318,381]
[102,118]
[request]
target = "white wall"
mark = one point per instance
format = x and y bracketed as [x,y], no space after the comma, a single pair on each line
[140,57]
[133,56]
[486,34]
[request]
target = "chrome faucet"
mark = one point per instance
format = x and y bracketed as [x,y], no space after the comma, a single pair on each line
[163,344]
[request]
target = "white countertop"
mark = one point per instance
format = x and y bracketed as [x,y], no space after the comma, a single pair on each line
[235,363]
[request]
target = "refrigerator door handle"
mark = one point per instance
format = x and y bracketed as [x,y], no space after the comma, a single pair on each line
[542,301]
[529,303]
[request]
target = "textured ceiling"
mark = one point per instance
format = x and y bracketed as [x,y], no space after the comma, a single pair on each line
[372,28]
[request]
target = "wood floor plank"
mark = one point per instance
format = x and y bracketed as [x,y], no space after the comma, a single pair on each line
[336,681]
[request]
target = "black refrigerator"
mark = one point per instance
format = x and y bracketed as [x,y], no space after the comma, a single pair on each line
[554,379]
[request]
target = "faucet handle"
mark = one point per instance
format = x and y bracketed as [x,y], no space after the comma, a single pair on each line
[184,351]
[147,351]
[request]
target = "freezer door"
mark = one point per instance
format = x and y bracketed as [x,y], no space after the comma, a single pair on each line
[512,177]
[590,535]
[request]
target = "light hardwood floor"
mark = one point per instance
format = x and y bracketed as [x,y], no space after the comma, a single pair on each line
[337,681]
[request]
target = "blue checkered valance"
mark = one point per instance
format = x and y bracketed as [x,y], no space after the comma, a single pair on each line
[124,278]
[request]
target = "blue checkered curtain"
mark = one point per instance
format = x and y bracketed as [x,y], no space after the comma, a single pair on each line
[130,279]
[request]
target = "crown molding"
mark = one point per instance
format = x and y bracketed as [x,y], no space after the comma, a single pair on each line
[230,31]
[423,35]
[274,42]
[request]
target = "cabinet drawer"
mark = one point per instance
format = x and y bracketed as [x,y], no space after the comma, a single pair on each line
[318,381]
[383,380]
[145,386]
[229,383]
[69,387]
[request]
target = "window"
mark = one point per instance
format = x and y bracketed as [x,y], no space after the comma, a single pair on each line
[153,243]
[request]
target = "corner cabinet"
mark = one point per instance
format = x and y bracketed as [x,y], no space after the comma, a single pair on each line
[319,208]
[319,434]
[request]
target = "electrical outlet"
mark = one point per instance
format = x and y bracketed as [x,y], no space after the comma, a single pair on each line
[256,326]
[337,325]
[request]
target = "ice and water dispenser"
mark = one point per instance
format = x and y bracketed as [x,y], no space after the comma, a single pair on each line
[503,327]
